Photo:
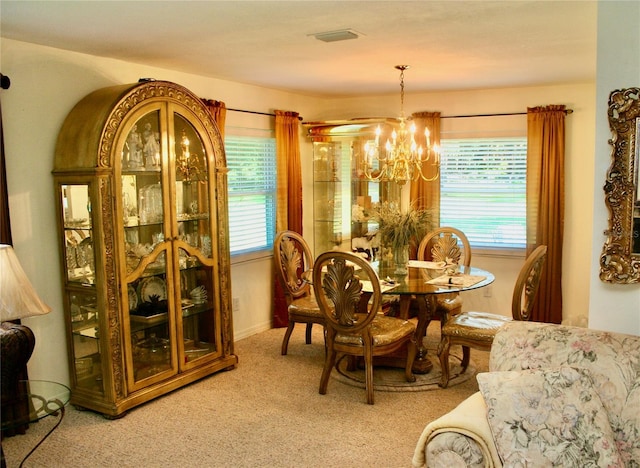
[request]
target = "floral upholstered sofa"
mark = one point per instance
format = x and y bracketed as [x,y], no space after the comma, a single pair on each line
[554,396]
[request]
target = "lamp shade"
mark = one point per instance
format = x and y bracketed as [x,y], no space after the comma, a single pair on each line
[18,299]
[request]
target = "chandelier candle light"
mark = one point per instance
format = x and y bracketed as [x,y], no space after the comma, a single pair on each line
[187,163]
[403,158]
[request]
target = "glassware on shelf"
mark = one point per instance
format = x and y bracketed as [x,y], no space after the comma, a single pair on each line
[150,203]
[154,353]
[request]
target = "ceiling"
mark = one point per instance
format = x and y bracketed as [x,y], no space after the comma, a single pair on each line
[450,45]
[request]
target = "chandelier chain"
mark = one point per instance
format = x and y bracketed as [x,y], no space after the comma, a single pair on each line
[402,68]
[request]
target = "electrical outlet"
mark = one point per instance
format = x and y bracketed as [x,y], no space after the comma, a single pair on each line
[488,291]
[236,304]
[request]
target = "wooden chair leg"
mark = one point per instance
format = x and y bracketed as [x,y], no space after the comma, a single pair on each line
[466,357]
[307,335]
[411,356]
[443,355]
[329,362]
[287,335]
[368,372]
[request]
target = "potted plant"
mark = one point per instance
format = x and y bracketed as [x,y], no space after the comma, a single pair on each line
[398,229]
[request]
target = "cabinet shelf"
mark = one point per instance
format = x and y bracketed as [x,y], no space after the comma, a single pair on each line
[88,331]
[140,322]
[141,171]
[71,227]
[83,279]
[192,217]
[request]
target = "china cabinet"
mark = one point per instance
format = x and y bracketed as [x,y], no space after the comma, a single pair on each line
[141,189]
[343,194]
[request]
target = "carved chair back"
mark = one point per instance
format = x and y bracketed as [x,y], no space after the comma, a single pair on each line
[292,257]
[342,288]
[445,244]
[527,284]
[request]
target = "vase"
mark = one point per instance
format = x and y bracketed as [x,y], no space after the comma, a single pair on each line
[401,259]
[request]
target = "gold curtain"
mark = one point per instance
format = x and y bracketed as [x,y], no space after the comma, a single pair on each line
[545,203]
[219,112]
[289,195]
[426,195]
[289,183]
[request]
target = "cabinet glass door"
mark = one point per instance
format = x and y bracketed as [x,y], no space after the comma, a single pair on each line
[148,256]
[194,249]
[78,230]
[80,291]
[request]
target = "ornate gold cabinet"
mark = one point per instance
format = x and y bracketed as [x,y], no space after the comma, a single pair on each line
[141,188]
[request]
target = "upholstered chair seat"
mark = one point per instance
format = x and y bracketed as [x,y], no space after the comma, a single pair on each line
[477,325]
[384,330]
[305,306]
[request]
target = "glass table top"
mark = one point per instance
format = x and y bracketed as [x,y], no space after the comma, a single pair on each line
[45,398]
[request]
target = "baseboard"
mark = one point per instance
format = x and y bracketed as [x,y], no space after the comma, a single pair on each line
[254,330]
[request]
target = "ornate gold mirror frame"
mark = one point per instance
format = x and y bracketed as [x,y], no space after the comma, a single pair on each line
[620,259]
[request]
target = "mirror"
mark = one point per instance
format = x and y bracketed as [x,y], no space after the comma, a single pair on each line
[620,259]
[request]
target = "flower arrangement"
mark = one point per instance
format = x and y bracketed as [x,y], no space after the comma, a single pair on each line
[399,228]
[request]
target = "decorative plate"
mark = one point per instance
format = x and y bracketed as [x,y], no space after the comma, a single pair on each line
[133,298]
[152,286]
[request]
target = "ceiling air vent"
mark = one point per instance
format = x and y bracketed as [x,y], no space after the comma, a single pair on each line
[334,36]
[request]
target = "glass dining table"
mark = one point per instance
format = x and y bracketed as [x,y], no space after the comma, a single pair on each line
[43,399]
[421,284]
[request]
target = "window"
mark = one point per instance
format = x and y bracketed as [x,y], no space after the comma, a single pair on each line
[252,193]
[483,190]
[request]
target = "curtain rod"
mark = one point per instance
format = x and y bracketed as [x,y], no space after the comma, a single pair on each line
[255,112]
[567,111]
[5,82]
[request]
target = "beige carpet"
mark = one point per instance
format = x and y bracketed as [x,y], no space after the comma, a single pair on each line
[265,413]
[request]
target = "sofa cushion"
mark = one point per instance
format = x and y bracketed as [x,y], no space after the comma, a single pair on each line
[548,417]
[612,359]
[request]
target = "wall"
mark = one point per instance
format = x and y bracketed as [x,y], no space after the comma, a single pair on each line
[614,307]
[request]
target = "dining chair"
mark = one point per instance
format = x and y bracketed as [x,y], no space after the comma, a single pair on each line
[292,257]
[446,244]
[477,329]
[356,328]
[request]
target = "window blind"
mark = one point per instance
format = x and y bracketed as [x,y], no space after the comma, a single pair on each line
[483,190]
[252,193]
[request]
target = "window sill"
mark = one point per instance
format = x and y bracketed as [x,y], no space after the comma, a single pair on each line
[249,257]
[498,253]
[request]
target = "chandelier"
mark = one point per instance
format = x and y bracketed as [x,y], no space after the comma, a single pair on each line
[401,159]
[188,163]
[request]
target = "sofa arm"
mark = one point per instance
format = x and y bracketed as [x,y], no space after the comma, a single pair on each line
[461,437]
